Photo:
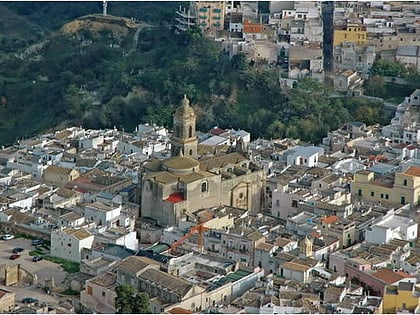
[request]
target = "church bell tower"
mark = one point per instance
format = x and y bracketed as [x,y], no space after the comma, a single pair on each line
[184,138]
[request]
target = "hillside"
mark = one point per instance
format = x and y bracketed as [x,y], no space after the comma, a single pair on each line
[91,71]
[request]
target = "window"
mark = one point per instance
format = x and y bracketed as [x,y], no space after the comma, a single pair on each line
[372,194]
[241,196]
[177,131]
[359,192]
[382,196]
[89,290]
[190,131]
[405,182]
[294,203]
[387,196]
[103,293]
[69,244]
[204,187]
[191,152]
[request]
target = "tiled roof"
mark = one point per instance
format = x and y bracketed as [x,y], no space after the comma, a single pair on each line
[413,171]
[135,264]
[172,283]
[221,161]
[80,234]
[329,220]
[389,276]
[58,169]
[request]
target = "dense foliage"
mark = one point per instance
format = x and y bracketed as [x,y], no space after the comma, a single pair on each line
[131,301]
[97,81]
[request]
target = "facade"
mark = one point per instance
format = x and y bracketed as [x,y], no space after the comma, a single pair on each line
[347,81]
[401,298]
[392,227]
[172,188]
[68,243]
[354,33]
[210,16]
[99,293]
[59,176]
[402,188]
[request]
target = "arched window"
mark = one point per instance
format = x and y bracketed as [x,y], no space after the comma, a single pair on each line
[204,187]
[191,152]
[190,131]
[177,131]
[241,196]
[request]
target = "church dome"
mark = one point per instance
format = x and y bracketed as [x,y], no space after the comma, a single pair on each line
[181,165]
[185,110]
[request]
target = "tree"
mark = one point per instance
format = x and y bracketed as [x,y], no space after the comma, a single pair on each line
[375,85]
[388,68]
[131,301]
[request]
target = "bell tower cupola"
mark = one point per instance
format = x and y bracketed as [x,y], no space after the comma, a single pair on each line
[184,138]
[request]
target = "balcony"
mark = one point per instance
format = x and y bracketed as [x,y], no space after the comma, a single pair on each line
[217,10]
[202,10]
[216,24]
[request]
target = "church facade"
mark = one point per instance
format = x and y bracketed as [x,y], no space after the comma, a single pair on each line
[173,188]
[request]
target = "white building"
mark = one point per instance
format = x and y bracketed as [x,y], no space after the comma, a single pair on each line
[307,156]
[392,227]
[68,243]
[101,213]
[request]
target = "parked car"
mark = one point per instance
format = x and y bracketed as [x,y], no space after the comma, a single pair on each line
[8,237]
[14,256]
[17,250]
[37,258]
[37,242]
[29,300]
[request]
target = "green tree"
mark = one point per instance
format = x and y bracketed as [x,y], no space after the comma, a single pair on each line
[131,301]
[388,68]
[375,86]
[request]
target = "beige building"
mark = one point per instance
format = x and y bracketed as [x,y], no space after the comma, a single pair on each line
[210,16]
[7,301]
[99,294]
[401,188]
[173,188]
[59,176]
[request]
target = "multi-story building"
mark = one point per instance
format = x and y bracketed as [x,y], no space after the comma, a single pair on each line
[210,16]
[68,243]
[400,188]
[350,32]
[349,56]
[403,297]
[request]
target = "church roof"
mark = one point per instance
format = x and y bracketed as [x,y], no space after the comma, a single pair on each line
[185,110]
[181,162]
[221,161]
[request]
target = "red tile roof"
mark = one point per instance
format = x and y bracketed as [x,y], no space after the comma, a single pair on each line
[175,197]
[217,131]
[413,171]
[389,276]
[179,310]
[329,220]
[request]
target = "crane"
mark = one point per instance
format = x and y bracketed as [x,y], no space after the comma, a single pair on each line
[197,229]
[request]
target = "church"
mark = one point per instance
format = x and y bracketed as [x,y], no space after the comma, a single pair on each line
[173,188]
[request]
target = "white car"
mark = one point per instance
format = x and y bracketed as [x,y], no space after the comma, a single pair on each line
[8,237]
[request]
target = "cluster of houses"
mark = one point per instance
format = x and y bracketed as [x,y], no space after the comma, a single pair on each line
[216,222]
[290,34]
